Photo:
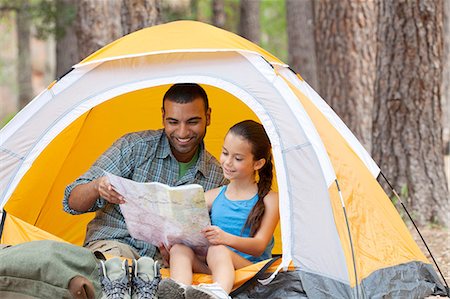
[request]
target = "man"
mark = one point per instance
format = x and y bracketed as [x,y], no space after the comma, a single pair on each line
[174,156]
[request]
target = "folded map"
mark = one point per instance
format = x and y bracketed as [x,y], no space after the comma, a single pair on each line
[164,215]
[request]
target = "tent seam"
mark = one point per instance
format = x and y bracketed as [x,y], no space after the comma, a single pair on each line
[287,178]
[82,64]
[297,147]
[11,153]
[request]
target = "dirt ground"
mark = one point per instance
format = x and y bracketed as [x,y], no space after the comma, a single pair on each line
[438,240]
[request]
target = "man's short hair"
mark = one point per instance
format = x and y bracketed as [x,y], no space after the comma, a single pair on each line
[183,93]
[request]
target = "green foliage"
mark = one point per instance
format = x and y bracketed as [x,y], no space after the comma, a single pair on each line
[273,28]
[272,24]
[204,11]
[7,63]
[6,119]
[232,12]
[49,17]
[200,10]
[404,194]
[272,20]
[169,14]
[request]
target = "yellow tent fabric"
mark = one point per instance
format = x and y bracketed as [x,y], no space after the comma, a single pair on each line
[148,41]
[242,275]
[69,157]
[379,239]
[16,231]
[64,155]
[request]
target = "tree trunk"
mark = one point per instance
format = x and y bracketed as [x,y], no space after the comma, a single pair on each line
[66,39]
[407,131]
[24,68]
[346,54]
[219,17]
[100,22]
[302,46]
[249,20]
[446,81]
[138,14]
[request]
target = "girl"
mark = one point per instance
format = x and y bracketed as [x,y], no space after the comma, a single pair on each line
[244,215]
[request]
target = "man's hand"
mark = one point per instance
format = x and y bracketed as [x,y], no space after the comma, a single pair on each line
[215,235]
[107,191]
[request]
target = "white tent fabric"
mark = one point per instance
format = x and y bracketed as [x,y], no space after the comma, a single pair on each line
[333,118]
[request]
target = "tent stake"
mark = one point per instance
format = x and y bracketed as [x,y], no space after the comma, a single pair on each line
[417,229]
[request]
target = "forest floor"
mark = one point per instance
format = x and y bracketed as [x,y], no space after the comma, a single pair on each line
[438,240]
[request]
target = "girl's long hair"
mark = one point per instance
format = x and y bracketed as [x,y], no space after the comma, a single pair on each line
[255,134]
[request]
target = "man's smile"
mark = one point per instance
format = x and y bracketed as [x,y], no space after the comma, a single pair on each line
[184,140]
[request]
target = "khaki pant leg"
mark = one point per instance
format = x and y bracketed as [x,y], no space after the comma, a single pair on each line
[111,247]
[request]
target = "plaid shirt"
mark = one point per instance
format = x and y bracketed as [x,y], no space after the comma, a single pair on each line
[143,157]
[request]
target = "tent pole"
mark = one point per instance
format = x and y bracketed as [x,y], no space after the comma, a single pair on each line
[2,222]
[350,238]
[417,229]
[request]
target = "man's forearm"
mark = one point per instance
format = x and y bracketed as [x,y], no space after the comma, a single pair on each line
[83,196]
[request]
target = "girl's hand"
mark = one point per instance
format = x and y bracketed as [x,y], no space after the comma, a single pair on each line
[215,235]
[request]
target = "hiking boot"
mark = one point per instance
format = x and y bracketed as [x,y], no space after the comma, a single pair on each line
[170,289]
[114,279]
[206,291]
[145,278]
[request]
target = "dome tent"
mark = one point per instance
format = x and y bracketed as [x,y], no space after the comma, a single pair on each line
[364,250]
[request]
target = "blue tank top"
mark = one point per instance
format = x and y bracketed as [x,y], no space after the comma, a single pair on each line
[231,215]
